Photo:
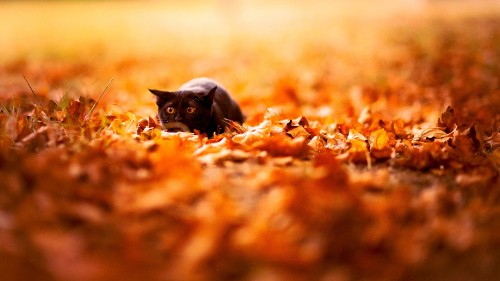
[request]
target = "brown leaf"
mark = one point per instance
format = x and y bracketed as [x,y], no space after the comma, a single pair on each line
[435,133]
[448,119]
[317,144]
[355,135]
[76,110]
[336,142]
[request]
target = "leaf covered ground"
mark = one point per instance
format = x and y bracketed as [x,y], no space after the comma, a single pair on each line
[371,149]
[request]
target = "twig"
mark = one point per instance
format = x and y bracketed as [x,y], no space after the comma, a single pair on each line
[33,92]
[95,104]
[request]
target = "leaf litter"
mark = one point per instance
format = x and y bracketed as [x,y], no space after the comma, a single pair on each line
[119,183]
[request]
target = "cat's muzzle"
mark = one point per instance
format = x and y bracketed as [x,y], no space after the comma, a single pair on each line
[176,127]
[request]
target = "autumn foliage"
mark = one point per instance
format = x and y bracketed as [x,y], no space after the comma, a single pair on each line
[330,178]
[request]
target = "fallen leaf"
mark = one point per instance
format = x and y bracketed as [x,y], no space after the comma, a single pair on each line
[435,133]
[381,143]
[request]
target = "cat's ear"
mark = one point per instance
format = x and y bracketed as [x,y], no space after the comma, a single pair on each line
[211,93]
[161,96]
[208,98]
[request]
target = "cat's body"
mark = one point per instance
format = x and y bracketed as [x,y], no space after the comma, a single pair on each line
[199,105]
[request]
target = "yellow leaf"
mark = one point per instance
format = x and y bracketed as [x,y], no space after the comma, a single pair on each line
[381,139]
[358,146]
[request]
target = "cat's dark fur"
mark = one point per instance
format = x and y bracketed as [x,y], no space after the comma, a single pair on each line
[201,104]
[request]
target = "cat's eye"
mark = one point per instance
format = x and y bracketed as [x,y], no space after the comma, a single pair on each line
[190,110]
[170,110]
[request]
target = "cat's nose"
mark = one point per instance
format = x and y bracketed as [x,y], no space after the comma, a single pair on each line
[178,117]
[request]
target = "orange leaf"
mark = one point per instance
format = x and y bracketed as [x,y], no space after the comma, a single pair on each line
[381,143]
[298,132]
[379,139]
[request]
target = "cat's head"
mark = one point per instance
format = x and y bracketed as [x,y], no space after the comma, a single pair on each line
[184,110]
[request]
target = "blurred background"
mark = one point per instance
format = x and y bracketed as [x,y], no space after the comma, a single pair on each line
[295,55]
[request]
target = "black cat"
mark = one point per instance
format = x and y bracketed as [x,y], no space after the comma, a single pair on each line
[201,104]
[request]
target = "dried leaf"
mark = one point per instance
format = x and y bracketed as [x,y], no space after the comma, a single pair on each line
[380,139]
[298,132]
[355,135]
[249,137]
[399,128]
[448,119]
[431,134]
[317,144]
[365,116]
[381,143]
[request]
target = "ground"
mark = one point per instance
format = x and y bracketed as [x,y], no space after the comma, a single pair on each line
[370,149]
